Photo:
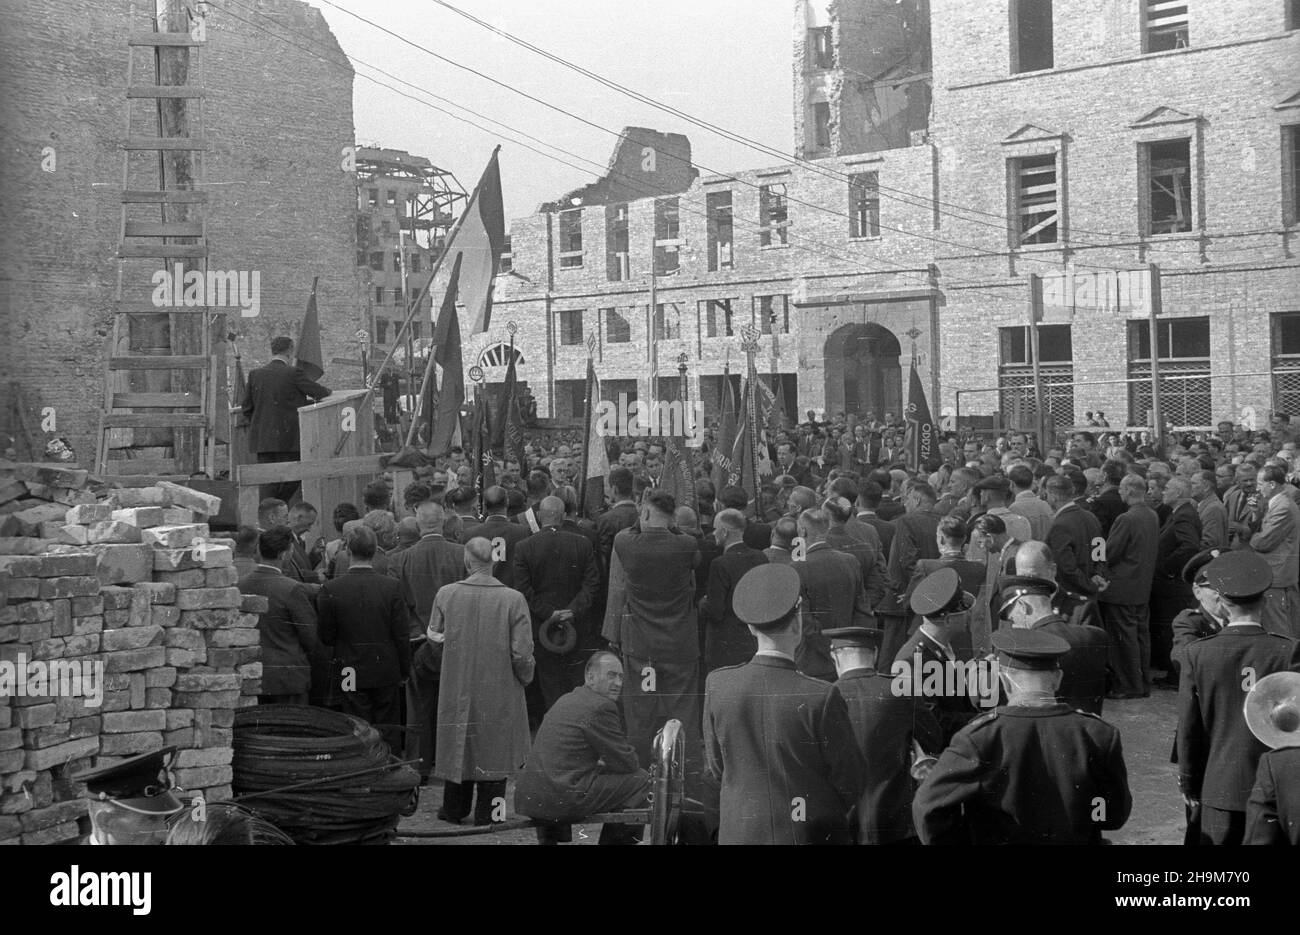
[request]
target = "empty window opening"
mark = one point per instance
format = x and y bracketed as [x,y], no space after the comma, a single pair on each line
[773,214]
[718,321]
[864,205]
[822,124]
[1169,186]
[571,327]
[507,256]
[617,263]
[718,206]
[1031,35]
[570,239]
[821,48]
[618,330]
[668,235]
[1038,208]
[1164,25]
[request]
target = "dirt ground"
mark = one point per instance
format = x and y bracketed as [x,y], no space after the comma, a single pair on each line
[1146,728]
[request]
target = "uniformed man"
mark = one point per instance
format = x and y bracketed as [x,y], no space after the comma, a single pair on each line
[1273,716]
[887,727]
[1206,619]
[129,802]
[1026,601]
[943,607]
[1217,754]
[778,745]
[1033,771]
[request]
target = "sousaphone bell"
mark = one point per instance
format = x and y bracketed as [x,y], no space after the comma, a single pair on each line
[1272,710]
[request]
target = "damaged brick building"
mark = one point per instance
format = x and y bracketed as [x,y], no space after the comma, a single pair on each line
[280,201]
[945,152]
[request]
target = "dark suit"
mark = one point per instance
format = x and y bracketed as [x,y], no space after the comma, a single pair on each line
[581,762]
[885,725]
[498,526]
[1217,753]
[972,576]
[1026,775]
[863,543]
[834,595]
[1074,534]
[275,394]
[757,535]
[363,616]
[1125,614]
[727,640]
[1107,506]
[890,509]
[778,556]
[884,528]
[952,711]
[421,570]
[610,523]
[556,570]
[779,744]
[1273,812]
[287,632]
[1083,668]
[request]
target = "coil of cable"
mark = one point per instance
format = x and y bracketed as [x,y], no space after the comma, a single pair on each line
[320,776]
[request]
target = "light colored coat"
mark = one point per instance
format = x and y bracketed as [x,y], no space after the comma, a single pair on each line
[1278,540]
[487,660]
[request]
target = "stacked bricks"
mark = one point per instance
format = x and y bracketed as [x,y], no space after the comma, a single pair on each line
[131,592]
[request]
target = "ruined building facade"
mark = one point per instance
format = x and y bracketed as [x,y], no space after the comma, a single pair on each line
[945,152]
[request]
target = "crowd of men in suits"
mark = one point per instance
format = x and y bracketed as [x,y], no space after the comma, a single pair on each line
[772,627]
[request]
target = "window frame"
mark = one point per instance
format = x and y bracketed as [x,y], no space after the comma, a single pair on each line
[715,211]
[565,327]
[763,322]
[1014,8]
[709,313]
[569,257]
[1146,28]
[1146,183]
[1290,143]
[821,48]
[773,215]
[855,203]
[1016,189]
[608,315]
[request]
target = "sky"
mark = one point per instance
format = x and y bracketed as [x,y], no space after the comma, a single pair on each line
[725,61]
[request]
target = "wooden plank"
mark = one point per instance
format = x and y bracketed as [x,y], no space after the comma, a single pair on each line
[154,400]
[153,420]
[168,143]
[165,250]
[247,475]
[164,229]
[159,362]
[176,197]
[164,90]
[131,467]
[182,39]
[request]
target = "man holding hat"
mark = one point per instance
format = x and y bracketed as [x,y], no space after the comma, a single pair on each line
[942,605]
[1273,716]
[887,726]
[1217,754]
[1026,602]
[778,745]
[129,802]
[1034,771]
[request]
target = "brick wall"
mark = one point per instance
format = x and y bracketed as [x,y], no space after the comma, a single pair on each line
[277,120]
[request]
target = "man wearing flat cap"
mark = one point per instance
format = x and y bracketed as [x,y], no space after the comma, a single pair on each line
[1026,602]
[129,802]
[943,607]
[1217,753]
[886,726]
[1033,771]
[778,746]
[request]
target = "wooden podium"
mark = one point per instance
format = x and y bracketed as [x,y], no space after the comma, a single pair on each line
[328,479]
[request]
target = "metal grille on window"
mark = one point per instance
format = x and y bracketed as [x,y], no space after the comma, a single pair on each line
[1286,384]
[1016,397]
[1183,402]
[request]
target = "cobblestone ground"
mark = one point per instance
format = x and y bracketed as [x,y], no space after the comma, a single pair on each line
[1146,726]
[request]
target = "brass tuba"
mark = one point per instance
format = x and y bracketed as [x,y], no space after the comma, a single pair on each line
[922,762]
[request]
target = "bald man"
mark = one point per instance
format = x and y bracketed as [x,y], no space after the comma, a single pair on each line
[498,529]
[727,641]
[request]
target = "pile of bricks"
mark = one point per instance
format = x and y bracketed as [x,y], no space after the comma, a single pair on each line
[130,579]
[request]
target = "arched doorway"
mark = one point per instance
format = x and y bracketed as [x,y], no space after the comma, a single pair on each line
[863,371]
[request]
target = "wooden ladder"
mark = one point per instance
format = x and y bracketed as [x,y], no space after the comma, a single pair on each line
[173,386]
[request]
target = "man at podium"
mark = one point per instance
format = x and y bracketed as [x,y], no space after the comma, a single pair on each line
[275,393]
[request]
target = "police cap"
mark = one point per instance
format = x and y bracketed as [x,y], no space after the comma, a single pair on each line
[1012,588]
[1239,576]
[1023,648]
[1194,570]
[864,637]
[766,596]
[940,593]
[139,783]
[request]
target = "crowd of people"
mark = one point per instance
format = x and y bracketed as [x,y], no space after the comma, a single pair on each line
[500,633]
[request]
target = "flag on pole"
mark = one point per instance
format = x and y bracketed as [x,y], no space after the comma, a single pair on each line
[920,443]
[508,432]
[595,456]
[443,426]
[744,463]
[310,358]
[483,466]
[477,242]
[724,443]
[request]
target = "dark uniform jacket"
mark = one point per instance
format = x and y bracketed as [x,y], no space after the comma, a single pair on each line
[863,542]
[422,570]
[1083,668]
[556,570]
[287,630]
[365,619]
[1273,812]
[953,711]
[1180,539]
[1131,556]
[1107,506]
[275,394]
[834,595]
[581,762]
[499,526]
[1071,540]
[913,541]
[1217,753]
[727,640]
[610,523]
[885,725]
[780,744]
[1026,775]
[651,609]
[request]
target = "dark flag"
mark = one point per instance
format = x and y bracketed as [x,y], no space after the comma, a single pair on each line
[744,451]
[595,457]
[442,427]
[725,441]
[920,445]
[508,432]
[485,474]
[310,358]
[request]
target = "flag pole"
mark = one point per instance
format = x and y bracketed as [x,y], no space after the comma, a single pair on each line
[587,412]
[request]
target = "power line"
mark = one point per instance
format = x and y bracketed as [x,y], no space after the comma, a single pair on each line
[922,201]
